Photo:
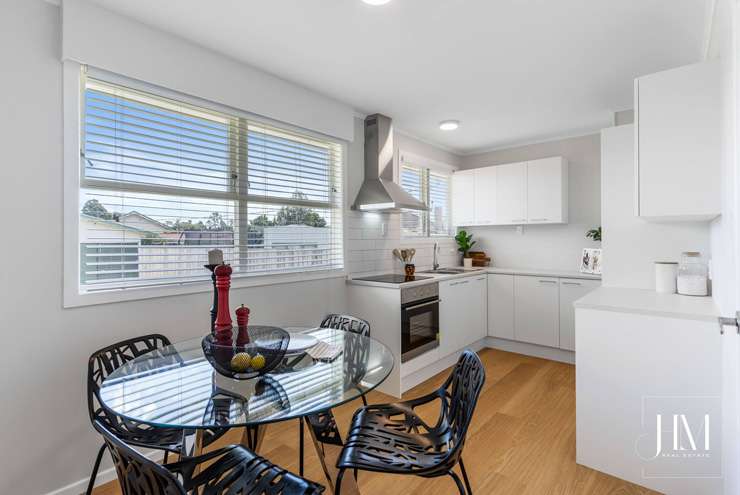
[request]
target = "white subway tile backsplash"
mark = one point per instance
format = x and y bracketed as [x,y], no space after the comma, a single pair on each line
[368,250]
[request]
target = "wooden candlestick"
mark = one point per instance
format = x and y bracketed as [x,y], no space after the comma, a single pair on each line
[222,326]
[242,320]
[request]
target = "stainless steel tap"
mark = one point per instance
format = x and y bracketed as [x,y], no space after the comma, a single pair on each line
[435,261]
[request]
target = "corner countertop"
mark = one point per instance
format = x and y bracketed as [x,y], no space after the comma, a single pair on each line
[648,302]
[536,272]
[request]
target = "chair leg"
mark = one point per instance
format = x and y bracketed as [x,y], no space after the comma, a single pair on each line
[465,477]
[94,474]
[364,400]
[166,455]
[300,446]
[459,484]
[338,488]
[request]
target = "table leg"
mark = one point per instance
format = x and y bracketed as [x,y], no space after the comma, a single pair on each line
[252,437]
[328,444]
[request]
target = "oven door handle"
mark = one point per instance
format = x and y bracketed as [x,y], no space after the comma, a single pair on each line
[423,304]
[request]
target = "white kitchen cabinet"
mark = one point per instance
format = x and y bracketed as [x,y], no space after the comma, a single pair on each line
[677,143]
[547,190]
[485,195]
[462,313]
[511,194]
[536,310]
[463,198]
[501,306]
[570,291]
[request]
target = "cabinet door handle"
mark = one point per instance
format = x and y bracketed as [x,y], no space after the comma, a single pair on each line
[572,283]
[538,220]
[548,282]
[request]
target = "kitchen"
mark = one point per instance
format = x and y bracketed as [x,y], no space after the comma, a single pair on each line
[527,210]
[537,207]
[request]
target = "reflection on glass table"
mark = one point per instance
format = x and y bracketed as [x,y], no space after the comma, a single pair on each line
[177,387]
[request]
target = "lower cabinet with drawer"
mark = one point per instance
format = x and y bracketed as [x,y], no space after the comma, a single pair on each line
[571,290]
[536,310]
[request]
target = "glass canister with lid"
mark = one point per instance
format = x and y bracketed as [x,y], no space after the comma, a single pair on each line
[693,274]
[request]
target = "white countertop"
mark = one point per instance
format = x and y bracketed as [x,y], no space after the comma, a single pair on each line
[537,272]
[649,302]
[543,272]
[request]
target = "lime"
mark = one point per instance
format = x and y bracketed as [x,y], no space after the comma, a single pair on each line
[240,362]
[258,362]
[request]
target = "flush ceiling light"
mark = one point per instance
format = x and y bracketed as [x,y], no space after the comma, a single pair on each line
[449,125]
[376,2]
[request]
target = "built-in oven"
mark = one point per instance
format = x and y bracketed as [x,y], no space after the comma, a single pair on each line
[419,320]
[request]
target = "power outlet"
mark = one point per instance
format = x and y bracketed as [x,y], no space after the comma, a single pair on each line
[520,229]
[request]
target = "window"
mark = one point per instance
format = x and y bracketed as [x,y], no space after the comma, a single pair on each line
[433,188]
[163,182]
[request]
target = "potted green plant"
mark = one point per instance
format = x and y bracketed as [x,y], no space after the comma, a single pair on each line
[464,244]
[594,234]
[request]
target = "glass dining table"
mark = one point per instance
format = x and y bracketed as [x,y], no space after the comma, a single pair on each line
[176,387]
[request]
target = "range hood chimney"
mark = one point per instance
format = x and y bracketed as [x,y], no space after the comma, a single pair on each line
[378,191]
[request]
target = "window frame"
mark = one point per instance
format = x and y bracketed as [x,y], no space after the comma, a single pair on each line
[427,166]
[74,181]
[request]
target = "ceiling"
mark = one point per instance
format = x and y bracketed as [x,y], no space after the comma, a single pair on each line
[512,71]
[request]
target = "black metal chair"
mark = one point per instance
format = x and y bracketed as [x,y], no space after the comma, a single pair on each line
[230,470]
[392,438]
[348,323]
[101,364]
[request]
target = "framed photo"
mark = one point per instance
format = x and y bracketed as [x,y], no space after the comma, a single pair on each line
[591,261]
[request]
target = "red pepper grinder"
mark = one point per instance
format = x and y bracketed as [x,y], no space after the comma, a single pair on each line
[223,325]
[242,320]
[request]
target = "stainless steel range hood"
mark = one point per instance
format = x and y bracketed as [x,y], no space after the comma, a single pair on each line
[378,191]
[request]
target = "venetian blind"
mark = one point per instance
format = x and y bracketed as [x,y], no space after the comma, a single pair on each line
[165,181]
[412,181]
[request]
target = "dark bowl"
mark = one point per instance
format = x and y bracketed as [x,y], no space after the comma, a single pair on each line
[268,342]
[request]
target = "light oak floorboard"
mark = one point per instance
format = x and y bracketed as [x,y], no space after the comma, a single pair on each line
[522,439]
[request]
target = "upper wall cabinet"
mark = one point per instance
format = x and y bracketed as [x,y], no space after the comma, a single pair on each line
[547,191]
[512,194]
[485,192]
[678,148]
[463,198]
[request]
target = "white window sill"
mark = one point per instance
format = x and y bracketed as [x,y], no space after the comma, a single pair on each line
[74,299]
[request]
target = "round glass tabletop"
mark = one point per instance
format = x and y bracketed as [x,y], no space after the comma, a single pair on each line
[176,386]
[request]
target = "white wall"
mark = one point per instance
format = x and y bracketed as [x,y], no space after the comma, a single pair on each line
[95,36]
[631,245]
[548,246]
[46,435]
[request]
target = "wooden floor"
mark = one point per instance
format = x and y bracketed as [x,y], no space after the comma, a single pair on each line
[522,439]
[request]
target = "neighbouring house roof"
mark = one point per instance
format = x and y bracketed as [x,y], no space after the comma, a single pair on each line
[139,220]
[114,224]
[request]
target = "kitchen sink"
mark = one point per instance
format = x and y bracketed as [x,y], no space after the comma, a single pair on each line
[447,271]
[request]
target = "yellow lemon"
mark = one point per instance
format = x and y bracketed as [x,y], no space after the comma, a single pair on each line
[258,362]
[240,362]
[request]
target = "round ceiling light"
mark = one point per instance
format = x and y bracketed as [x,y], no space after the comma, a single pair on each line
[449,125]
[376,2]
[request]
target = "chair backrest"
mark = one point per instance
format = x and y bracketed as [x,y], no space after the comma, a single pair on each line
[356,351]
[461,391]
[138,475]
[105,361]
[233,469]
[347,323]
